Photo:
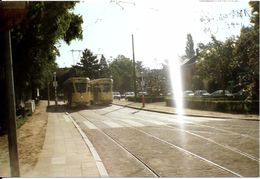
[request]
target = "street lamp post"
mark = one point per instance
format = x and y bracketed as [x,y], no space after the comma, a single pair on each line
[55,84]
[142,84]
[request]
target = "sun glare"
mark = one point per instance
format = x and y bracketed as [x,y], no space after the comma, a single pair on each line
[175,75]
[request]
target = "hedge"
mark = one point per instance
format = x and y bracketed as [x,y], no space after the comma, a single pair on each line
[221,105]
[147,99]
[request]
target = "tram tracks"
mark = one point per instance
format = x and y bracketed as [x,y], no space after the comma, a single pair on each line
[168,123]
[149,168]
[233,149]
[167,143]
[211,127]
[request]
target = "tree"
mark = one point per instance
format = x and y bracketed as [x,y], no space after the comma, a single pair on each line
[255,14]
[121,71]
[104,71]
[189,50]
[215,62]
[247,55]
[188,61]
[88,65]
[236,60]
[155,81]
[34,42]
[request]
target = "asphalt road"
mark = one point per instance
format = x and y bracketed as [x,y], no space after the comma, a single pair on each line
[136,143]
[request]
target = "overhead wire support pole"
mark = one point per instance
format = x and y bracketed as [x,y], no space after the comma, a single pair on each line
[134,73]
[73,55]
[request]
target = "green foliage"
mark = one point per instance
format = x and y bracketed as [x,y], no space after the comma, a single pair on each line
[104,71]
[189,50]
[88,66]
[235,61]
[34,42]
[155,80]
[148,99]
[121,71]
[20,121]
[215,62]
[255,14]
[229,106]
[247,60]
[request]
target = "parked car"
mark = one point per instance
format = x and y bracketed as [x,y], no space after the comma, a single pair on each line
[116,95]
[201,93]
[188,93]
[142,93]
[240,93]
[123,95]
[129,94]
[220,93]
[169,93]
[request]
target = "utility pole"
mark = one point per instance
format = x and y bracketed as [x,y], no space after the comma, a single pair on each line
[142,84]
[11,14]
[11,116]
[134,74]
[48,91]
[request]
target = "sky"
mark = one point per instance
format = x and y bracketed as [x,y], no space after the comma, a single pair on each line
[159,28]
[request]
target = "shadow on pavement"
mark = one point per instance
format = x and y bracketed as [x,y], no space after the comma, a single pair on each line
[80,108]
[65,108]
[56,108]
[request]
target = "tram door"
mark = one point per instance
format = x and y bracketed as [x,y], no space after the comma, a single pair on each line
[96,92]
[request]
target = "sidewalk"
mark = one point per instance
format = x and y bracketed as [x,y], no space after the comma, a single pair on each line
[162,108]
[64,152]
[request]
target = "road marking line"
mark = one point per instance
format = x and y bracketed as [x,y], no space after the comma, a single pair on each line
[100,166]
[112,124]
[153,122]
[89,125]
[67,119]
[131,122]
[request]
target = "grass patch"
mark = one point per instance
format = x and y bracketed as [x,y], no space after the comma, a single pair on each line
[20,121]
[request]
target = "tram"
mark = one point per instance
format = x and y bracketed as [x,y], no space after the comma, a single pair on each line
[81,91]
[102,91]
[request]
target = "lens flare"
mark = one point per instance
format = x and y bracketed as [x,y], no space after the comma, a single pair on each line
[176,82]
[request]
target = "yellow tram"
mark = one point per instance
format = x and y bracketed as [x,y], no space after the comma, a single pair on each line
[83,91]
[102,91]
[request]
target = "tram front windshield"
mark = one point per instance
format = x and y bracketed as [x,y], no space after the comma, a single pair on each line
[81,87]
[106,87]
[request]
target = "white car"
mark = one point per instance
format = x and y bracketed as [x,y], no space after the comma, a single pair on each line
[220,93]
[116,95]
[201,93]
[129,94]
[188,93]
[142,93]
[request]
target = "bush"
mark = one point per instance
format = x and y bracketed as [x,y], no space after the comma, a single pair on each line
[147,99]
[219,104]
[20,121]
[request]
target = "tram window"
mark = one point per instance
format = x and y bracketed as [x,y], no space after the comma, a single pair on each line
[81,87]
[97,89]
[106,87]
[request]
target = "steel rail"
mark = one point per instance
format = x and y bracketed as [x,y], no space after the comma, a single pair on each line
[149,168]
[177,147]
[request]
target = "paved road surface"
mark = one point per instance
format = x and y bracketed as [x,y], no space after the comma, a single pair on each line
[136,143]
